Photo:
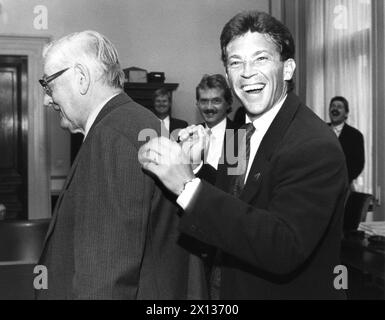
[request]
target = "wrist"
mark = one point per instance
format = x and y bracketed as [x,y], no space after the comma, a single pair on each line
[185,184]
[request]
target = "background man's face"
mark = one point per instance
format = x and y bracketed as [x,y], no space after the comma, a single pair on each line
[162,106]
[256,72]
[212,106]
[337,112]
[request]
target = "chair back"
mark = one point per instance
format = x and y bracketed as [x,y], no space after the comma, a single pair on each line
[356,209]
[22,240]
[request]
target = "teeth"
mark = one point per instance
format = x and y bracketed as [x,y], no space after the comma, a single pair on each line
[253,87]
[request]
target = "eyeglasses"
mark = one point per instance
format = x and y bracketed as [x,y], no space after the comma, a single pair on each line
[214,101]
[45,80]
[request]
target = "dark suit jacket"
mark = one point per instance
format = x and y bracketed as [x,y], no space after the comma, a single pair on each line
[352,142]
[177,124]
[109,238]
[208,172]
[281,239]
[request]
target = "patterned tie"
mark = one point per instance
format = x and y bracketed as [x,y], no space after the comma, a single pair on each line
[238,185]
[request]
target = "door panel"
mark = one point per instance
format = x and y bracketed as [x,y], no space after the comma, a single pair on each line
[13,135]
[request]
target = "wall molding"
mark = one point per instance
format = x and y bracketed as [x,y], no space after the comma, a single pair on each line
[39,203]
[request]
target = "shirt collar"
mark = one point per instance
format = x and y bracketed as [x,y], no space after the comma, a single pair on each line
[94,113]
[263,123]
[339,126]
[165,119]
[219,127]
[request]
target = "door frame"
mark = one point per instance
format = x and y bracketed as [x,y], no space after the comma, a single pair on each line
[39,202]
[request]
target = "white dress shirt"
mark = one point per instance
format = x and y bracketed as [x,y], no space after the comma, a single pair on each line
[217,137]
[338,128]
[166,122]
[261,125]
[93,115]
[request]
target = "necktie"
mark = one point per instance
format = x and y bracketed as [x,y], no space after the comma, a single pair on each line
[243,155]
[237,187]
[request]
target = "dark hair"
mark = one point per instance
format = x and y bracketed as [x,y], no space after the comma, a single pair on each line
[215,81]
[341,99]
[261,22]
[161,92]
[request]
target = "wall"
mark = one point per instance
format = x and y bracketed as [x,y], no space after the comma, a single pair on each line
[178,37]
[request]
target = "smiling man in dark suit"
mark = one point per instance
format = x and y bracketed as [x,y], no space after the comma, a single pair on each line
[162,109]
[106,239]
[352,140]
[278,222]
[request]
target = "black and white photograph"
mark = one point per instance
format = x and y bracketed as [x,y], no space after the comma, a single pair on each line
[192,154]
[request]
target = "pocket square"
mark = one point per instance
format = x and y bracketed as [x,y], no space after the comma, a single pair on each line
[257,176]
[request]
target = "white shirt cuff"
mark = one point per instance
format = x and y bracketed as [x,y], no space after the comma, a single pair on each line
[187,194]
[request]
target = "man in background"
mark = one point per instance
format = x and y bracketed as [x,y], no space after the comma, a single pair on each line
[214,99]
[352,140]
[162,109]
[106,239]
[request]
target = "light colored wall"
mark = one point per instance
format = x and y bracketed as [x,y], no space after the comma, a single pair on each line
[178,37]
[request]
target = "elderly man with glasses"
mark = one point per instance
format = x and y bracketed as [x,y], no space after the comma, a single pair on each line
[105,240]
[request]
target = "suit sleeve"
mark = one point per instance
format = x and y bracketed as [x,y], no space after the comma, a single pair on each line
[306,184]
[110,220]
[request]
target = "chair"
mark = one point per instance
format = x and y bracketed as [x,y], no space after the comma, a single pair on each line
[21,243]
[356,209]
[22,240]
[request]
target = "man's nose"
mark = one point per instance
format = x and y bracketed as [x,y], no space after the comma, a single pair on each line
[47,100]
[248,69]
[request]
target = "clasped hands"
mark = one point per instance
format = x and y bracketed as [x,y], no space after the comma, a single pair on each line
[173,162]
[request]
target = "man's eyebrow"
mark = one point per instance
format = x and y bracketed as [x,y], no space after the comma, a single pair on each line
[236,56]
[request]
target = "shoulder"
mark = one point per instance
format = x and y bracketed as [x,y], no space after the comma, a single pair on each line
[179,123]
[129,121]
[352,131]
[310,134]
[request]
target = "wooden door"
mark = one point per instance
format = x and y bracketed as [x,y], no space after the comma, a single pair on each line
[13,136]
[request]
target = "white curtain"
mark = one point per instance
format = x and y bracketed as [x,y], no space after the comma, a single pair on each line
[338,62]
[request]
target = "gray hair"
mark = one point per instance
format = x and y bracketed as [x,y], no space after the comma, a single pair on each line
[92,49]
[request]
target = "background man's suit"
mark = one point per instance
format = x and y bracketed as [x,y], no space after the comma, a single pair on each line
[352,142]
[108,238]
[281,240]
[208,172]
[177,124]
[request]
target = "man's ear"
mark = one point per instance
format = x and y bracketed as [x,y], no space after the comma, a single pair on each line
[288,69]
[83,78]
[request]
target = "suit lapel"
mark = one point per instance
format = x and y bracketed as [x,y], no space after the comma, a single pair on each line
[111,105]
[172,125]
[268,145]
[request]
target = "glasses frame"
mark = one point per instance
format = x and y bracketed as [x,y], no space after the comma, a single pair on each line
[46,80]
